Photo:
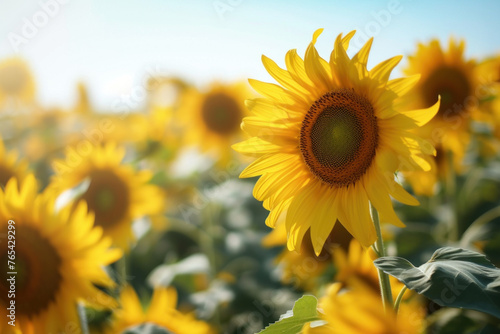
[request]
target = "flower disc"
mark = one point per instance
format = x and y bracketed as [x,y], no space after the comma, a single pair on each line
[221,113]
[108,197]
[453,87]
[339,136]
[38,265]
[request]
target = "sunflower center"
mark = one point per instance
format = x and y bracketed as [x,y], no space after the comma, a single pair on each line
[452,85]
[221,113]
[5,174]
[38,278]
[108,197]
[339,137]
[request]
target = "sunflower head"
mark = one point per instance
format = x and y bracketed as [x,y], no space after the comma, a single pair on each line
[116,193]
[59,258]
[16,81]
[212,118]
[329,139]
[449,75]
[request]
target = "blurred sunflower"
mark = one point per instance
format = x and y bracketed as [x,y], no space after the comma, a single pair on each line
[161,312]
[359,310]
[116,193]
[358,263]
[489,75]
[59,257]
[130,128]
[303,268]
[330,141]
[16,81]
[452,77]
[159,138]
[10,167]
[212,119]
[489,70]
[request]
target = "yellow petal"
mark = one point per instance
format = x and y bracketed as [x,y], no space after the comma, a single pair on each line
[314,69]
[323,220]
[401,86]
[267,164]
[282,76]
[423,116]
[382,71]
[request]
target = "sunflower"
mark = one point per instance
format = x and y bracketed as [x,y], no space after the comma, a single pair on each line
[359,310]
[16,81]
[304,268]
[161,312]
[116,193]
[453,78]
[212,119]
[10,167]
[329,141]
[358,263]
[160,138]
[489,71]
[59,257]
[489,75]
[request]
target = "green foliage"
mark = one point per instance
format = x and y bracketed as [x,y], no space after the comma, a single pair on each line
[304,311]
[453,277]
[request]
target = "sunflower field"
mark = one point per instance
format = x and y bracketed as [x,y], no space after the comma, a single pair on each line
[346,182]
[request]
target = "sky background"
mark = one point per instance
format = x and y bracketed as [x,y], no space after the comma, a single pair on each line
[110,44]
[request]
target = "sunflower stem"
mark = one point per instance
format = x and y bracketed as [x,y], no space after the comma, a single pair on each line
[121,270]
[385,284]
[207,242]
[399,298]
[451,193]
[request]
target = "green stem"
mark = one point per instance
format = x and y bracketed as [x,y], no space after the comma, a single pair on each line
[121,269]
[210,213]
[451,193]
[399,298]
[385,284]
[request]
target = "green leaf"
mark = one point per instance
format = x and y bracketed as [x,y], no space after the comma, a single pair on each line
[453,277]
[304,311]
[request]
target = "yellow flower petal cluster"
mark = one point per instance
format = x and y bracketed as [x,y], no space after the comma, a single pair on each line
[328,140]
[59,258]
[161,312]
[449,75]
[359,310]
[117,194]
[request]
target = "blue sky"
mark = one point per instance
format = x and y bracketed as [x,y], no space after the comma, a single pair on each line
[109,44]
